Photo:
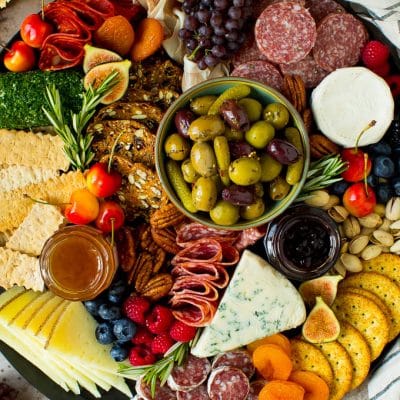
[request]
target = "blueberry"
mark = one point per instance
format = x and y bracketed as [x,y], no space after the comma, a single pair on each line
[116,292]
[93,306]
[124,329]
[109,312]
[119,352]
[383,167]
[104,333]
[396,185]
[338,188]
[381,147]
[372,180]
[383,193]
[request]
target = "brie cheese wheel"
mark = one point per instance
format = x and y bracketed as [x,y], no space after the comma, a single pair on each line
[346,102]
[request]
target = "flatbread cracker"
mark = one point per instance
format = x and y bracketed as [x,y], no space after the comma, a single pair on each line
[365,316]
[342,368]
[387,264]
[307,357]
[357,348]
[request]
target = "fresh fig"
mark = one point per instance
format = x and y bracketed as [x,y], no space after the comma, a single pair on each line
[324,286]
[95,56]
[98,74]
[321,325]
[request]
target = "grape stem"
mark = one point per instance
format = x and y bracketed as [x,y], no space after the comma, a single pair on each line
[193,54]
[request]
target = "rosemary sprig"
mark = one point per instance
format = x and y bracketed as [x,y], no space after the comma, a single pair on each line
[321,174]
[160,370]
[77,144]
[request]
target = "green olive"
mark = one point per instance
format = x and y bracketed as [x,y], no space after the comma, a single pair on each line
[260,134]
[224,213]
[278,188]
[252,107]
[201,105]
[277,114]
[204,194]
[176,147]
[233,135]
[245,171]
[253,210]
[270,168]
[206,127]
[189,173]
[203,159]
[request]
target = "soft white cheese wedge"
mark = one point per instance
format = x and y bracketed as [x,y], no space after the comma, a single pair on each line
[347,100]
[258,302]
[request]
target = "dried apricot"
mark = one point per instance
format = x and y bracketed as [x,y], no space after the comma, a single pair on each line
[149,38]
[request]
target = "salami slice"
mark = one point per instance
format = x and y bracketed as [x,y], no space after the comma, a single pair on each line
[260,71]
[194,312]
[255,389]
[228,383]
[239,359]
[249,236]
[260,6]
[189,375]
[162,392]
[195,288]
[202,250]
[340,39]
[319,9]
[199,393]
[248,52]
[285,32]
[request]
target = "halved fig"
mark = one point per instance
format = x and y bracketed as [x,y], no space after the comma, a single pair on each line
[324,286]
[95,56]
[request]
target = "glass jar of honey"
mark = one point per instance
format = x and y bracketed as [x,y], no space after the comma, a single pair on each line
[77,262]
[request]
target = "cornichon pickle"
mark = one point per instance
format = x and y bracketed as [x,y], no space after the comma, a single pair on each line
[252,107]
[204,194]
[270,168]
[203,159]
[206,127]
[278,188]
[202,104]
[223,156]
[233,93]
[295,170]
[181,188]
[189,173]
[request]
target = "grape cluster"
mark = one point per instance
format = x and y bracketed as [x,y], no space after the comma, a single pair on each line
[214,29]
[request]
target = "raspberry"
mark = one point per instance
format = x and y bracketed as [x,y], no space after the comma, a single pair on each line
[159,320]
[142,336]
[135,309]
[182,332]
[394,82]
[382,70]
[141,355]
[374,54]
[161,343]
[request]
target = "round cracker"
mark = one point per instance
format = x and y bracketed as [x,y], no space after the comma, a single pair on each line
[384,288]
[387,264]
[307,357]
[342,368]
[357,348]
[365,316]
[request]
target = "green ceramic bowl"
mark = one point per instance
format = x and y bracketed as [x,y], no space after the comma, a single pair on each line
[265,95]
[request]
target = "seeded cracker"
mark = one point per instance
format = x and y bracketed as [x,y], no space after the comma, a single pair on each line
[386,264]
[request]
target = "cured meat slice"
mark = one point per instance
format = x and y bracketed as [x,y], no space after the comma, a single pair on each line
[190,286]
[162,392]
[239,359]
[255,389]
[249,236]
[261,71]
[285,32]
[202,250]
[340,39]
[319,9]
[199,393]
[193,312]
[248,52]
[228,383]
[308,70]
[260,6]
[189,375]
[230,255]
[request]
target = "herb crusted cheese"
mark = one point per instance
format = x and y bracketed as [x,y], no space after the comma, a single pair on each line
[258,302]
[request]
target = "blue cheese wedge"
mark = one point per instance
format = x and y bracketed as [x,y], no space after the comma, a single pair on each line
[258,302]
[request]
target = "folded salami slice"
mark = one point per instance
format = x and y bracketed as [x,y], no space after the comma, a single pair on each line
[249,236]
[202,250]
[193,287]
[199,393]
[189,375]
[239,359]
[193,312]
[228,383]
[162,392]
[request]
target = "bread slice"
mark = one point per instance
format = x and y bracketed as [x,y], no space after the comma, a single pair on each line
[41,222]
[19,269]
[32,150]
[15,205]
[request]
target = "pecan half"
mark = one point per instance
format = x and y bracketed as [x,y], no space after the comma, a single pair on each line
[166,239]
[321,146]
[157,287]
[159,256]
[142,271]
[144,236]
[126,248]
[308,119]
[166,216]
[294,89]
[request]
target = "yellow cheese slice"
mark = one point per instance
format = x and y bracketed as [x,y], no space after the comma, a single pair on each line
[10,294]
[11,310]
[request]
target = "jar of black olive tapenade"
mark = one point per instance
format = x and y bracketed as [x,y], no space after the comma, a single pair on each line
[303,243]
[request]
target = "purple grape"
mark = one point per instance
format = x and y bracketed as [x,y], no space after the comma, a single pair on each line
[191,44]
[219,40]
[202,64]
[282,151]
[220,31]
[248,3]
[221,4]
[232,24]
[218,51]
[205,43]
[184,34]
[191,23]
[235,12]
[232,46]
[239,195]
[205,31]
[189,3]
[238,3]
[210,60]
[232,36]
[203,16]
[216,20]
[206,3]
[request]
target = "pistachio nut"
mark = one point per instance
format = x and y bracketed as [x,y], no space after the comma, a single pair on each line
[385,225]
[351,227]
[395,248]
[351,262]
[372,220]
[340,268]
[366,231]
[394,228]
[345,246]
[392,211]
[333,201]
[358,244]
[318,198]
[385,249]
[371,252]
[380,209]
[338,213]
[382,238]
[341,231]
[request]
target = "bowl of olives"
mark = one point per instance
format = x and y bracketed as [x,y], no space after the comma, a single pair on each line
[232,153]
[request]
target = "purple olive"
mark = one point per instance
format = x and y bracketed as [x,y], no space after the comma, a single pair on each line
[240,149]
[183,119]
[239,195]
[234,115]
[282,151]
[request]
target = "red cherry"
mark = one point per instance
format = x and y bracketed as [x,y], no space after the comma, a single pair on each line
[83,207]
[101,182]
[357,167]
[34,30]
[111,216]
[19,57]
[359,199]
